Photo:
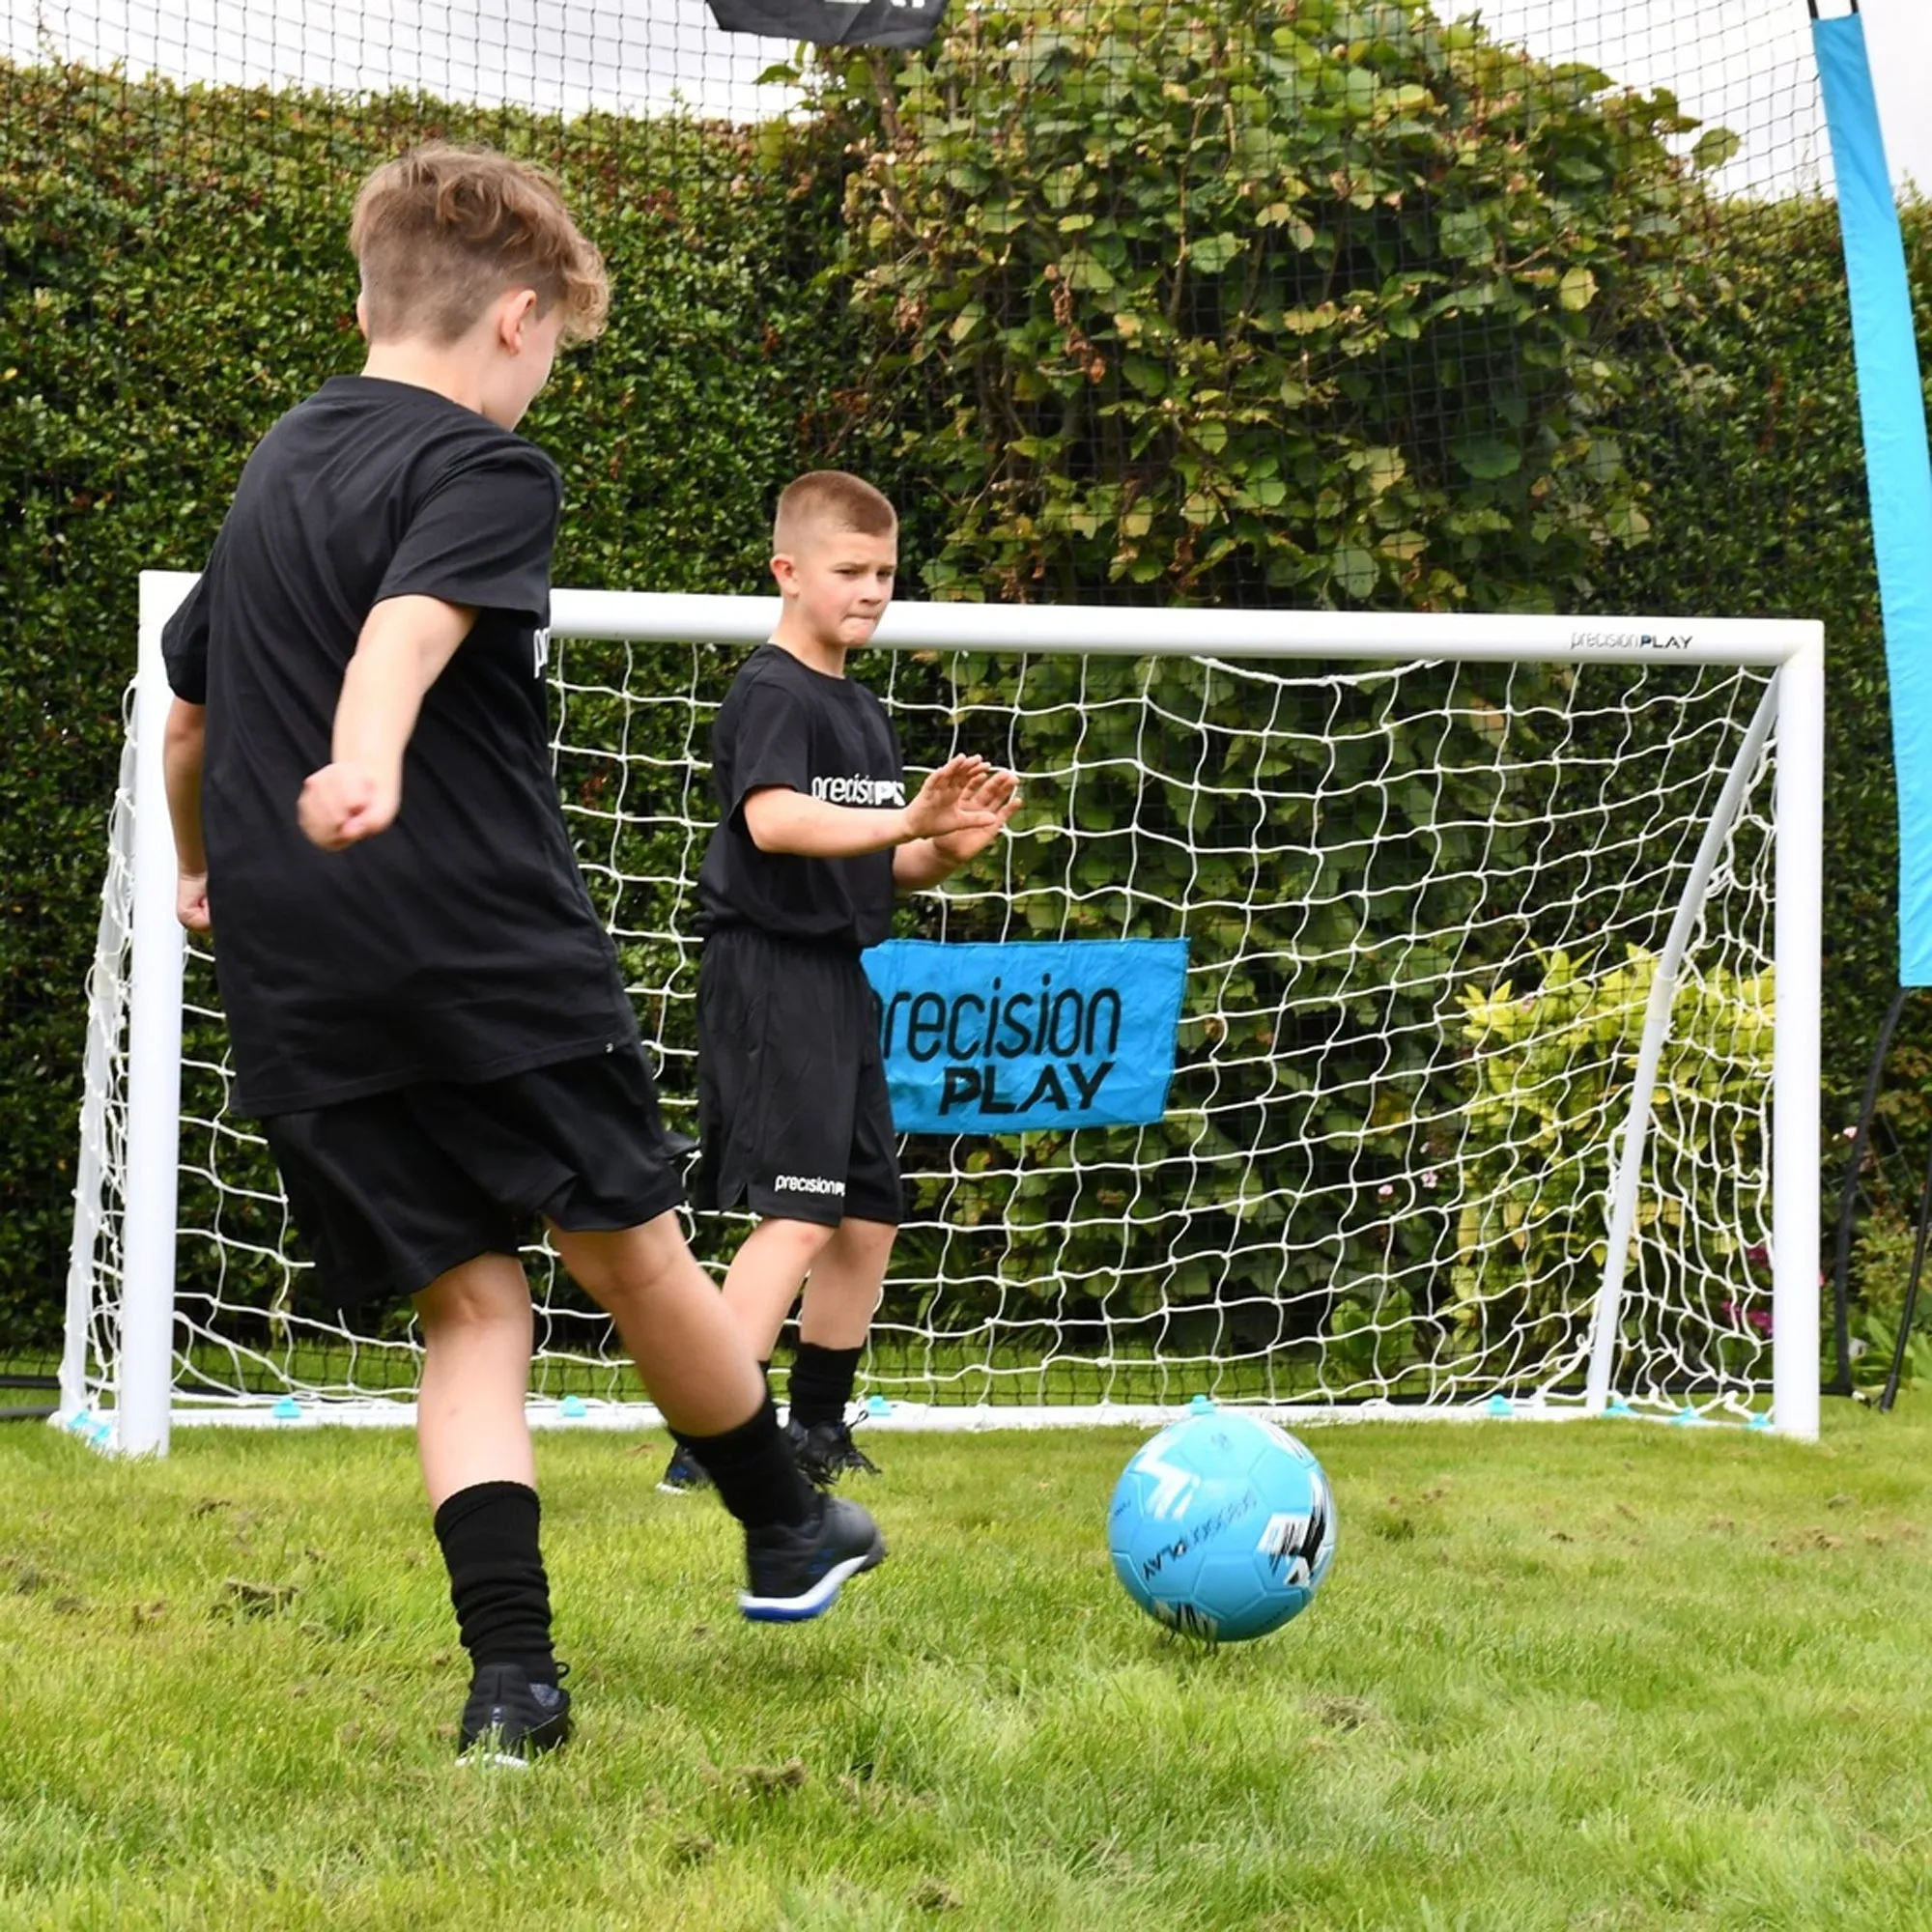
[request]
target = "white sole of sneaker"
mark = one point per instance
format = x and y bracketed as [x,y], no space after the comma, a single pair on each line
[816,1601]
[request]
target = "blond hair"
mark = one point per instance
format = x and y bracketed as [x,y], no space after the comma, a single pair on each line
[441,231]
[830,501]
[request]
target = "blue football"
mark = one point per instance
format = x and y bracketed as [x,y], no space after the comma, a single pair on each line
[1222,1526]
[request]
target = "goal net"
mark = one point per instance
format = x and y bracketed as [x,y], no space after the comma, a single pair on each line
[1498,1038]
[1197,345]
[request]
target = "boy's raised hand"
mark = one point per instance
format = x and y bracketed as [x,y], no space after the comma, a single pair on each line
[990,799]
[935,808]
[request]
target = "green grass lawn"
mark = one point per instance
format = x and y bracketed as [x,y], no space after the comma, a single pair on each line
[1599,1675]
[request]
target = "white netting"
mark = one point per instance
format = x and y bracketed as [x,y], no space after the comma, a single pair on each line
[1425,903]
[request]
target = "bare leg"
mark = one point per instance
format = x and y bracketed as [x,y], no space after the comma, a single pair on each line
[475,1441]
[690,1351]
[766,1274]
[839,1301]
[846,1282]
[704,1379]
[477,1331]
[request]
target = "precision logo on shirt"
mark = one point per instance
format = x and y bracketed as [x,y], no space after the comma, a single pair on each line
[858,789]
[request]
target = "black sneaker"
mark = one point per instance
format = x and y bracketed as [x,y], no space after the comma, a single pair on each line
[683,1474]
[795,1573]
[510,1720]
[796,1439]
[826,1452]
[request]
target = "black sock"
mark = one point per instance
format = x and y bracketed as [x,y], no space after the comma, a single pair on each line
[497,1582]
[752,1464]
[821,1383]
[688,1443]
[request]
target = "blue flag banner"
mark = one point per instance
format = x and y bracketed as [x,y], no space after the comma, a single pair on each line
[1893,406]
[1010,1038]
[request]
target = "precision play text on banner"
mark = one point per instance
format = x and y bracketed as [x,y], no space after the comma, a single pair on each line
[1009,1039]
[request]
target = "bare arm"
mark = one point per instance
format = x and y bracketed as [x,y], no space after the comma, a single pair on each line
[781,821]
[787,821]
[181,747]
[405,644]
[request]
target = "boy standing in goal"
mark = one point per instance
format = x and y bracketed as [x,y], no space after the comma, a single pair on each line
[814,837]
[425,1011]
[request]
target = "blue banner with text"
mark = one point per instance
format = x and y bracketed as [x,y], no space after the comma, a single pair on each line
[1010,1038]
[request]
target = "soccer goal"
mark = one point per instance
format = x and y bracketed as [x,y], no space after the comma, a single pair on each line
[1495,1088]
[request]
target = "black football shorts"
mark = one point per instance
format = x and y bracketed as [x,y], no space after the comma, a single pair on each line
[390,1191]
[794,1118]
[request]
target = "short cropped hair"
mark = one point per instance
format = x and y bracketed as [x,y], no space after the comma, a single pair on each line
[832,501]
[441,231]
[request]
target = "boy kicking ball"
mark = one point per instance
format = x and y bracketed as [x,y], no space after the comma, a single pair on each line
[814,840]
[425,1012]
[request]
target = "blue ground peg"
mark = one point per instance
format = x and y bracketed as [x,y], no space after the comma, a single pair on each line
[288,1409]
[1687,1418]
[1619,1406]
[1760,1421]
[574,1409]
[877,1404]
[1499,1405]
[1201,1405]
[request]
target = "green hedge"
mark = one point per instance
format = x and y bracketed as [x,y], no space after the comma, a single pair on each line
[1326,303]
[173,275]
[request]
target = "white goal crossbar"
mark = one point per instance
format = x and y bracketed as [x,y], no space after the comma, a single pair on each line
[119,1375]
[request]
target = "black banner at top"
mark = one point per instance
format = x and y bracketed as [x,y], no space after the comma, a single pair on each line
[834,24]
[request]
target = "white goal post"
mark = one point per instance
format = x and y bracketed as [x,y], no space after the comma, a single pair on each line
[1498,1080]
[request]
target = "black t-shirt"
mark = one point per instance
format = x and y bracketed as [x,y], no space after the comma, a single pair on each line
[461,944]
[784,724]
